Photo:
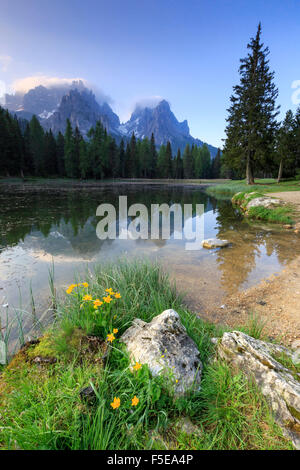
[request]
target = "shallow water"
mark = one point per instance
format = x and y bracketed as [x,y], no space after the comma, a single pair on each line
[40,224]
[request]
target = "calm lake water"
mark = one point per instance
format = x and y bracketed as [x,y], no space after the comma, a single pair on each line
[40,224]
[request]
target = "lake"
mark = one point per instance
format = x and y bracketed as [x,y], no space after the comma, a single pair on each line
[45,223]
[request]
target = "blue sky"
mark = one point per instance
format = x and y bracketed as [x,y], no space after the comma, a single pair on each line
[185,51]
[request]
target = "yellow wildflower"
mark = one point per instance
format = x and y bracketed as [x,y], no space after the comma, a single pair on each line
[110,337]
[85,284]
[115,330]
[134,401]
[70,289]
[110,291]
[97,303]
[107,299]
[176,380]
[137,366]
[117,295]
[116,403]
[87,297]
[115,316]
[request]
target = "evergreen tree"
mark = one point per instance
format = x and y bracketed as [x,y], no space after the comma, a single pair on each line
[122,161]
[167,168]
[252,115]
[286,145]
[161,161]
[216,166]
[69,151]
[60,154]
[178,166]
[37,148]
[50,154]
[188,163]
[153,157]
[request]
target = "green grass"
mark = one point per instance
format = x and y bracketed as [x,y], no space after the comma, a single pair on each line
[261,185]
[41,408]
[276,215]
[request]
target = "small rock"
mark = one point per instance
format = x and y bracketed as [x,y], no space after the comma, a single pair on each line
[215,243]
[186,425]
[296,357]
[88,394]
[295,344]
[287,226]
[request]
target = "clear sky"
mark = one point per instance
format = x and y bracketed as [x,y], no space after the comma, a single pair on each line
[186,51]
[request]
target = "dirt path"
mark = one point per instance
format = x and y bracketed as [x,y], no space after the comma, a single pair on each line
[276,300]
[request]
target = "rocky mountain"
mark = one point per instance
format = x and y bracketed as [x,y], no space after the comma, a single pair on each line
[163,124]
[83,111]
[55,105]
[41,101]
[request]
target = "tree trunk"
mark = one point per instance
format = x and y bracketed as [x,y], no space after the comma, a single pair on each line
[249,174]
[280,171]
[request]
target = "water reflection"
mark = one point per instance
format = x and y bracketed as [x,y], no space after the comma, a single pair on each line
[36,226]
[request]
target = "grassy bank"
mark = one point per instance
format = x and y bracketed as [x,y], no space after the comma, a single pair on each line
[239,189]
[261,185]
[40,402]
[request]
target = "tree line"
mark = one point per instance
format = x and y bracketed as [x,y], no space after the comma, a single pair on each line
[256,143]
[26,149]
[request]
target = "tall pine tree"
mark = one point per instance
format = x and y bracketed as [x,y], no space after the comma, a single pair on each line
[251,122]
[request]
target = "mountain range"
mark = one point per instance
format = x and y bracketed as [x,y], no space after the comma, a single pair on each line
[54,105]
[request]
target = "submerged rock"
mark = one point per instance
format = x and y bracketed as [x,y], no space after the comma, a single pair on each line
[164,345]
[261,361]
[215,243]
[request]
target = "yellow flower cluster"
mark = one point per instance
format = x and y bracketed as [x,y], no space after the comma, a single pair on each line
[117,402]
[72,287]
[97,302]
[111,336]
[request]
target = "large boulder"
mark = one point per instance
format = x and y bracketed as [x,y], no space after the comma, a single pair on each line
[280,385]
[264,201]
[164,345]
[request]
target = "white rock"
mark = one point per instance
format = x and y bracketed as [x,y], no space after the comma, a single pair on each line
[214,243]
[164,345]
[267,202]
[256,359]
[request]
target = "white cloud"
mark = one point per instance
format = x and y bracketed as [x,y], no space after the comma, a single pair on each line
[150,102]
[22,85]
[5,61]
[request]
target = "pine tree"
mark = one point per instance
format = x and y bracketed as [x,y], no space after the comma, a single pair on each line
[50,154]
[178,166]
[161,161]
[69,150]
[167,168]
[286,144]
[133,163]
[252,115]
[37,149]
[60,154]
[153,157]
[216,165]
[188,163]
[122,162]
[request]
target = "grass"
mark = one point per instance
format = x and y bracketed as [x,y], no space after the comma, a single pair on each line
[41,406]
[267,185]
[243,194]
